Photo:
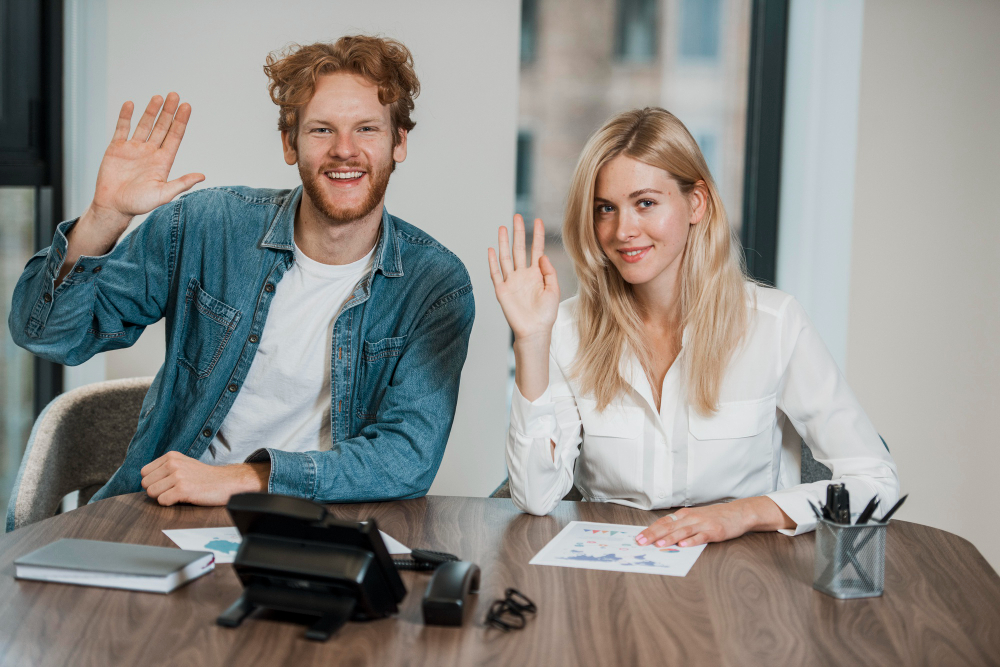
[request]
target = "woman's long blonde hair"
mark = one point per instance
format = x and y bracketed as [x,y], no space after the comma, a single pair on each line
[713,297]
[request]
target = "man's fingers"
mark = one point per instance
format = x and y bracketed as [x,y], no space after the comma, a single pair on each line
[161,486]
[537,242]
[154,476]
[165,119]
[152,465]
[145,125]
[124,122]
[505,262]
[182,184]
[519,254]
[172,141]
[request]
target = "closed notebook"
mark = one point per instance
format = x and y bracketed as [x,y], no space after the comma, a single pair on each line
[135,567]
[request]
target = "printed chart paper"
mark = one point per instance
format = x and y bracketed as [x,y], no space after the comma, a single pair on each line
[224,542]
[612,547]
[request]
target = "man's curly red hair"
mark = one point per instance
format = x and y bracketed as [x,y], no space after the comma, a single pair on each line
[385,62]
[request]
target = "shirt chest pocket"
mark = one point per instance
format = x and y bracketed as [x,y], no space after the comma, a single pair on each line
[378,367]
[730,453]
[207,326]
[610,462]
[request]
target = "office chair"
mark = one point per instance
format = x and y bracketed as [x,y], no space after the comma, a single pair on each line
[77,443]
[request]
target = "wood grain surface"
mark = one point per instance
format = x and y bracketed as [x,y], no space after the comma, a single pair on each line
[749,601]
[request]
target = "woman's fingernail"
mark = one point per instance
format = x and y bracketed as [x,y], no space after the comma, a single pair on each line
[661,543]
[641,539]
[683,544]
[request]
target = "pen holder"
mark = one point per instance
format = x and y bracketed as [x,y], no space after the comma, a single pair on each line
[850,559]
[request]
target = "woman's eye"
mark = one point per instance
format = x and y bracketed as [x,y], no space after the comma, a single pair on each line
[605,208]
[646,203]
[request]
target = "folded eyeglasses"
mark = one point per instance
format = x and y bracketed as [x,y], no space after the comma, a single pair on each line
[511,612]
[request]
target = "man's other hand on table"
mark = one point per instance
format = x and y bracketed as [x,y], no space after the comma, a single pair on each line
[175,478]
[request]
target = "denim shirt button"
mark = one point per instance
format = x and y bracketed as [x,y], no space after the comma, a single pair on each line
[232,387]
[269,288]
[254,338]
[47,298]
[207,433]
[97,269]
[78,269]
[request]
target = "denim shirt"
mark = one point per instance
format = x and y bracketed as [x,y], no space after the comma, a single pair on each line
[209,262]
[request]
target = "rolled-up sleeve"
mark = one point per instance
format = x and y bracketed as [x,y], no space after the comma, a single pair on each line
[103,303]
[815,398]
[539,480]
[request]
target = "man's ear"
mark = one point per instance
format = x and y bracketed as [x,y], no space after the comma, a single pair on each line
[291,155]
[399,150]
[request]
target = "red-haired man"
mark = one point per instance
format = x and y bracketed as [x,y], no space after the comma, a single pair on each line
[314,342]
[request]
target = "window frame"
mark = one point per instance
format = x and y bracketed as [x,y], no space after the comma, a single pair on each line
[765,118]
[32,76]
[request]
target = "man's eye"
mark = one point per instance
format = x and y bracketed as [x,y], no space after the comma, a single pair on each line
[369,129]
[321,129]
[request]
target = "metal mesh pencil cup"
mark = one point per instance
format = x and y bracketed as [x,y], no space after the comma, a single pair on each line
[850,559]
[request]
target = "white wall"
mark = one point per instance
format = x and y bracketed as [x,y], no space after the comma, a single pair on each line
[924,332]
[457,182]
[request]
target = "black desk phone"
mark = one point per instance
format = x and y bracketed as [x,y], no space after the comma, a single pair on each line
[295,557]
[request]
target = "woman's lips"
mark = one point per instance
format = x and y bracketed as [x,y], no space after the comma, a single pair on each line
[633,255]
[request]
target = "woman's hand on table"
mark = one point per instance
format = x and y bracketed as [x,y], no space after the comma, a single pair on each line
[692,526]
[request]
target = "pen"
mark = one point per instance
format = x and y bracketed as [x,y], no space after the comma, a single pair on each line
[868,511]
[819,515]
[888,515]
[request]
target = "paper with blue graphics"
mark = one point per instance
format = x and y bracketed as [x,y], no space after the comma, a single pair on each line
[224,542]
[612,547]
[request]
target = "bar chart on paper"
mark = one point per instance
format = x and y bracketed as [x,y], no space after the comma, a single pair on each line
[612,547]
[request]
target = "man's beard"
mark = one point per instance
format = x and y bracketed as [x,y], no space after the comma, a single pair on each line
[379,178]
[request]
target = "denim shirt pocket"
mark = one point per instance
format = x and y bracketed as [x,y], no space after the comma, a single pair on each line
[378,364]
[207,326]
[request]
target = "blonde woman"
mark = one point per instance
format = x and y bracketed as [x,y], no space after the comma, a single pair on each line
[670,380]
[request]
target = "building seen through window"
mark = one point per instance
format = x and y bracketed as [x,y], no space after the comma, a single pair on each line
[590,59]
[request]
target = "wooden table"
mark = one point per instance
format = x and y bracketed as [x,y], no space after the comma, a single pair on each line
[747,601]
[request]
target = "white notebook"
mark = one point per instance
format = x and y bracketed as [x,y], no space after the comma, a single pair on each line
[135,567]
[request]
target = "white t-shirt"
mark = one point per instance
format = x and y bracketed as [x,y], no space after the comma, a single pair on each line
[285,400]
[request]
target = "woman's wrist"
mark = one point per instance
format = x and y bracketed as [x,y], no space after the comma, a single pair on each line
[761,514]
[531,365]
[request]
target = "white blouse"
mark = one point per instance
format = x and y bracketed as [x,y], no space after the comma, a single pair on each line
[781,384]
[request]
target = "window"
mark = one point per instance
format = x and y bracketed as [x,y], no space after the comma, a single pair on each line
[636,38]
[568,94]
[30,202]
[699,29]
[529,31]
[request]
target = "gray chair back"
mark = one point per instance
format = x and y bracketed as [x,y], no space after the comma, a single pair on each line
[76,444]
